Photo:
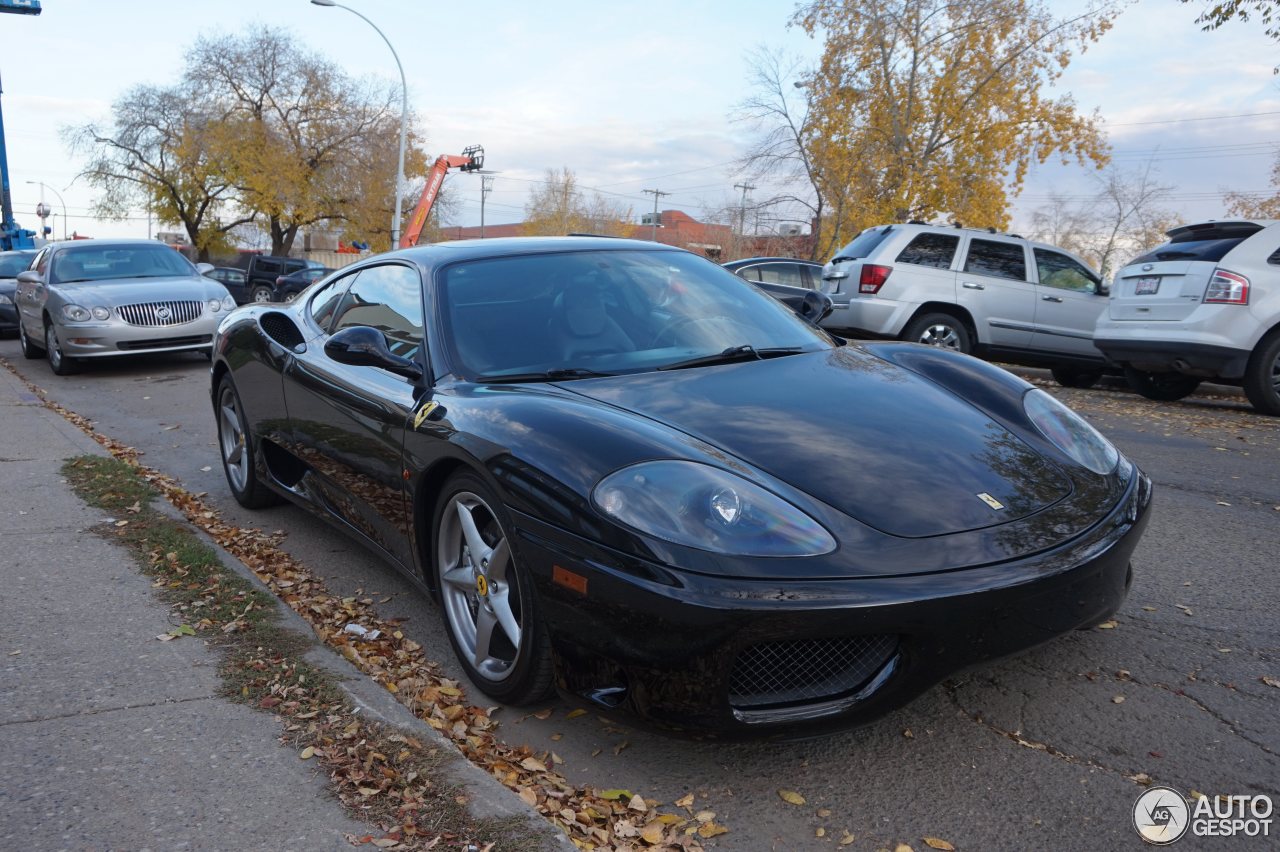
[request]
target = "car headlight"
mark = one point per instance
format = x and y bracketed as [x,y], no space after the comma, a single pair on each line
[215,305]
[710,509]
[1070,432]
[75,313]
[228,303]
[101,313]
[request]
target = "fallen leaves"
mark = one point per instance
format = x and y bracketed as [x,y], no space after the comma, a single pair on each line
[939,843]
[791,797]
[1107,625]
[1270,681]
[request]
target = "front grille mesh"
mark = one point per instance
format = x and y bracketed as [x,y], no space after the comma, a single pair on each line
[155,314]
[773,673]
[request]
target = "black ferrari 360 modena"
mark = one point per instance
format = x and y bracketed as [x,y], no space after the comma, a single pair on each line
[624,472]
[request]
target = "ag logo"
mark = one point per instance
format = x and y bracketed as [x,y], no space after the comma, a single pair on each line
[1161,815]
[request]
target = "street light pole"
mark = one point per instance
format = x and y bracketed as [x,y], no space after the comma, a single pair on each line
[404,116]
[57,195]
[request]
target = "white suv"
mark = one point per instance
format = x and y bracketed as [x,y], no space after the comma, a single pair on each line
[1205,305]
[995,295]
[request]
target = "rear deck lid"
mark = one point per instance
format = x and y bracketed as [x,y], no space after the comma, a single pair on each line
[1168,282]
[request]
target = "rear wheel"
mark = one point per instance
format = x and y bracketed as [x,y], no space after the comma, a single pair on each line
[237,446]
[1262,376]
[1074,377]
[486,598]
[941,330]
[260,293]
[1164,387]
[59,363]
[30,350]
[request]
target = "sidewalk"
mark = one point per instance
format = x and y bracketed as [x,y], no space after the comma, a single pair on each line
[110,739]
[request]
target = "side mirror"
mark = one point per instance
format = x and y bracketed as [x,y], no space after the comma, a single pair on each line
[362,346]
[814,307]
[204,268]
[30,276]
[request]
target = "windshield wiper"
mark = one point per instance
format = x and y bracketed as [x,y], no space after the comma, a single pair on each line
[558,375]
[745,352]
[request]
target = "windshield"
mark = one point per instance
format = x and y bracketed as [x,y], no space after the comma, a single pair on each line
[607,312]
[105,263]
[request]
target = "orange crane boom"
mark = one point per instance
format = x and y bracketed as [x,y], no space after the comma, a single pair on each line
[471,160]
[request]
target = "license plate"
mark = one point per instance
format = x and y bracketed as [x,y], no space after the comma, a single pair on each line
[1146,286]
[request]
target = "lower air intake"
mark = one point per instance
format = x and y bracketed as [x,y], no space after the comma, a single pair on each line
[797,672]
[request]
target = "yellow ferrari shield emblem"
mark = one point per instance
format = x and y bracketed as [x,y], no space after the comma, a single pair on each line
[482,586]
[990,501]
[424,412]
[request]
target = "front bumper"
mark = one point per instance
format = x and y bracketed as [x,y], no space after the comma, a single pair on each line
[115,338]
[738,657]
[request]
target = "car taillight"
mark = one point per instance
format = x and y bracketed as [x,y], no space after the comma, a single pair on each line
[279,280]
[1227,288]
[872,277]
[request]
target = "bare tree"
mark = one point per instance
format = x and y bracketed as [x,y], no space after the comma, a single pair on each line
[162,152]
[1125,217]
[557,206]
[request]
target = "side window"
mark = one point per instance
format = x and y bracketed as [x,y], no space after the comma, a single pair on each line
[1058,270]
[781,273]
[41,264]
[1000,260]
[935,250]
[388,298]
[326,300]
[751,273]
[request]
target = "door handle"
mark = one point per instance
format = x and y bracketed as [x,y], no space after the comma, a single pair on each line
[1051,298]
[969,285]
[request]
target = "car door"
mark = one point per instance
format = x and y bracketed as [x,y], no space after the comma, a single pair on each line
[30,299]
[1068,306]
[995,289]
[348,422]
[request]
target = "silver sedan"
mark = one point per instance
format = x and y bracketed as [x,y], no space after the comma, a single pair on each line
[104,298]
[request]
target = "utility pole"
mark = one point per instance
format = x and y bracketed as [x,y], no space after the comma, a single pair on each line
[656,195]
[486,187]
[742,208]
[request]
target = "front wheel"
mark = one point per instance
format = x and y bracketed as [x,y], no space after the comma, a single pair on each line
[30,351]
[59,363]
[1262,376]
[1162,387]
[487,599]
[236,442]
[941,330]
[1072,377]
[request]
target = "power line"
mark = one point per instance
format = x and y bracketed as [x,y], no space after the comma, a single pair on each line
[1200,118]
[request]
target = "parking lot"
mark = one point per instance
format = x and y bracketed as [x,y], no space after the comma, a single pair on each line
[1048,750]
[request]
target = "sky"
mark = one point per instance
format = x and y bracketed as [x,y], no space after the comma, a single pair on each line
[628,96]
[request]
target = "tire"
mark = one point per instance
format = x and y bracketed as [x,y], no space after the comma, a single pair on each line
[236,448]
[1262,376]
[29,350]
[1074,377]
[1162,387]
[59,363]
[941,330]
[260,293]
[290,296]
[494,595]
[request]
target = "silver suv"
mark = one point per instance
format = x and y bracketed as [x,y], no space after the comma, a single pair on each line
[995,295]
[1205,305]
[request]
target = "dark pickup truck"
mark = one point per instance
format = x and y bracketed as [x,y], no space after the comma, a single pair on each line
[265,269]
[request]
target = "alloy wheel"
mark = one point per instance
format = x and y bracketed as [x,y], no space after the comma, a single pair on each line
[941,335]
[477,589]
[52,348]
[231,438]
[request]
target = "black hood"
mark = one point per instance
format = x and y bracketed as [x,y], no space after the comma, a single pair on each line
[876,441]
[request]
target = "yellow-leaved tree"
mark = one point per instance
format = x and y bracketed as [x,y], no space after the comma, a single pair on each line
[927,108]
[557,207]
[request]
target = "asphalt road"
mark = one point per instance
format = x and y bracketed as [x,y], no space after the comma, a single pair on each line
[1038,752]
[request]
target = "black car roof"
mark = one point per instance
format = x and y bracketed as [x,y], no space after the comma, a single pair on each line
[437,254]
[743,261]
